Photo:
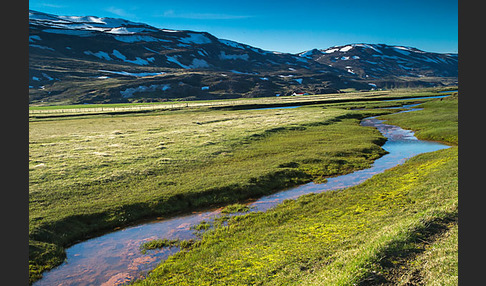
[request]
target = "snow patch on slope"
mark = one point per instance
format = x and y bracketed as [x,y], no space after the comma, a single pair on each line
[231,44]
[129,92]
[196,39]
[199,63]
[89,23]
[138,61]
[41,47]
[196,63]
[346,48]
[224,56]
[102,55]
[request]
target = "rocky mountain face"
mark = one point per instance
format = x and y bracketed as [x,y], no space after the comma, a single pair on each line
[94,60]
[369,61]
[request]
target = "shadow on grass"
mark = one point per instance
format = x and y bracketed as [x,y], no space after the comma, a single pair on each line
[394,260]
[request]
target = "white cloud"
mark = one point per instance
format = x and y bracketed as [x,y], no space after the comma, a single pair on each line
[50,5]
[120,12]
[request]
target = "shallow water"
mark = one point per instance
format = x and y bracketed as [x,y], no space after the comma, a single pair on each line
[115,258]
[449,91]
[401,145]
[421,97]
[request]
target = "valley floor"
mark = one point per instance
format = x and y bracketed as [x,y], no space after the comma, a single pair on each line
[398,228]
[95,173]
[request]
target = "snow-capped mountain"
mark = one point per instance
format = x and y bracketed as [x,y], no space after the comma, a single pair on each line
[379,60]
[79,59]
[123,41]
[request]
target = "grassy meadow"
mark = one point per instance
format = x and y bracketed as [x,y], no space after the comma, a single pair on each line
[91,174]
[397,228]
[438,121]
[374,233]
[97,173]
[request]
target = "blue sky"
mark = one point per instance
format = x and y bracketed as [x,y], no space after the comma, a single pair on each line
[288,26]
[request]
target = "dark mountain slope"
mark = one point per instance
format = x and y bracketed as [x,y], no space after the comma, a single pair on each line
[380,60]
[91,59]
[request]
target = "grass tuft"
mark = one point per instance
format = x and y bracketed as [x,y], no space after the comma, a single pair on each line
[161,243]
[235,208]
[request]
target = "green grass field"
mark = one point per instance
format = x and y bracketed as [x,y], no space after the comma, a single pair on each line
[95,173]
[364,235]
[37,112]
[438,121]
[397,228]
[92,174]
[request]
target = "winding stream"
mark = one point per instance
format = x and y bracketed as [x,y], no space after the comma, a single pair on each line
[115,258]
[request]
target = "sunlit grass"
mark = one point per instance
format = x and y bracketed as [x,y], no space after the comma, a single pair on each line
[387,229]
[96,173]
[438,121]
[333,238]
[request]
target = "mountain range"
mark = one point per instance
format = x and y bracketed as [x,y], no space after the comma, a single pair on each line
[87,59]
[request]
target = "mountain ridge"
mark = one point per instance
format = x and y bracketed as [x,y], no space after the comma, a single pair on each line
[386,60]
[88,59]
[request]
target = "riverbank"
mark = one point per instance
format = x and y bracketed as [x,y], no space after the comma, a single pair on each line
[95,174]
[438,121]
[174,161]
[398,227]
[376,232]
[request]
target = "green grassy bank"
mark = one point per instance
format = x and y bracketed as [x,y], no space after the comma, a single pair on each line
[438,121]
[363,235]
[93,174]
[397,228]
